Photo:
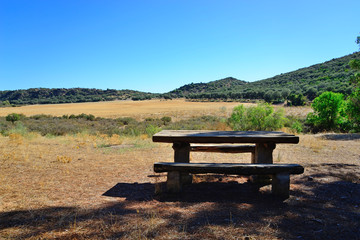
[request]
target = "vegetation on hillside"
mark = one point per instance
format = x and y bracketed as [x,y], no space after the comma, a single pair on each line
[333,75]
[207,90]
[72,95]
[296,87]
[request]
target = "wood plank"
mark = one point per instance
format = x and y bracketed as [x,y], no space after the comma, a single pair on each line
[223,148]
[229,168]
[191,136]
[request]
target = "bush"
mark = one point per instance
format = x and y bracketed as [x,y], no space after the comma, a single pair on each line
[297,127]
[151,130]
[166,120]
[261,117]
[327,108]
[296,100]
[12,117]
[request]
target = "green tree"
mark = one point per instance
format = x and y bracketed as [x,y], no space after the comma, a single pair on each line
[269,96]
[12,117]
[311,93]
[285,93]
[296,100]
[327,108]
[353,102]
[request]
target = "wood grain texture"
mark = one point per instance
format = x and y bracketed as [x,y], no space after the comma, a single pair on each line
[223,148]
[229,168]
[191,136]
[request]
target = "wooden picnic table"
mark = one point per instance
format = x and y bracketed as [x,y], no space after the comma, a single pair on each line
[265,141]
[261,168]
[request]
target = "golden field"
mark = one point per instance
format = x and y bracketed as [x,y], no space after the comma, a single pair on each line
[178,109]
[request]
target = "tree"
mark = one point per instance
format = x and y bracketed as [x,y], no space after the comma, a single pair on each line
[327,108]
[269,96]
[311,93]
[12,117]
[296,100]
[285,93]
[353,102]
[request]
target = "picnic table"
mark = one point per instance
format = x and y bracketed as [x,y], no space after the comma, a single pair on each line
[262,145]
[264,142]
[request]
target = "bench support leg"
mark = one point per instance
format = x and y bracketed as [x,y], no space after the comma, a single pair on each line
[281,185]
[173,183]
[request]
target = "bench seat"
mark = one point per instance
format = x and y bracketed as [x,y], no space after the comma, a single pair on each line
[280,173]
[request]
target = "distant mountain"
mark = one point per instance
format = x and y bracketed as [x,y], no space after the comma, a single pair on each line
[71,95]
[311,81]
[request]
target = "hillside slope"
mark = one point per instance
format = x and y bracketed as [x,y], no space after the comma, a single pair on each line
[225,84]
[333,75]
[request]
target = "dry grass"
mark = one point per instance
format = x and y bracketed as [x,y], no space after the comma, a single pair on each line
[177,109]
[81,187]
[98,187]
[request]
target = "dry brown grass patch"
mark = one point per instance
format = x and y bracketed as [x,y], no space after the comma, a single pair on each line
[42,197]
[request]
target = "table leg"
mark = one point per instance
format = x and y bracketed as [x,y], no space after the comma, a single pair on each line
[263,154]
[182,154]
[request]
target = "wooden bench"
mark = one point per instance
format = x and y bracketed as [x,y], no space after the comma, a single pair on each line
[225,149]
[280,173]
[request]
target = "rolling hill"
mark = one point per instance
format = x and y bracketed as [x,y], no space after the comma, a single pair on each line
[311,81]
[333,75]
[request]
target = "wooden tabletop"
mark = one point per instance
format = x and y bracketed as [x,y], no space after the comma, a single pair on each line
[196,136]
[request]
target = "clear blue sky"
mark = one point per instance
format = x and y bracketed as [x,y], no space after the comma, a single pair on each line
[160,45]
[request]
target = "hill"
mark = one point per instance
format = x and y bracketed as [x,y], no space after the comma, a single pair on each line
[225,84]
[333,75]
[72,95]
[311,81]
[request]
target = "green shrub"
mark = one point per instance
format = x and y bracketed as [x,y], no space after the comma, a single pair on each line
[297,127]
[261,117]
[327,108]
[151,130]
[19,128]
[296,100]
[13,117]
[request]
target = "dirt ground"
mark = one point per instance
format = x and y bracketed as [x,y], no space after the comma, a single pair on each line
[68,188]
